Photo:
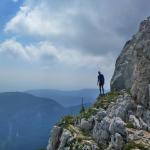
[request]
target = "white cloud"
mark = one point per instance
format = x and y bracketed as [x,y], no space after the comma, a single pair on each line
[12,48]
[82,25]
[46,51]
[40,20]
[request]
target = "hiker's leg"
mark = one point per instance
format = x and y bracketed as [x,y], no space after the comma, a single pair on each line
[103,89]
[100,89]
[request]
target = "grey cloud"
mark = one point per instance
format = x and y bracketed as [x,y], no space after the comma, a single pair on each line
[104,26]
[100,26]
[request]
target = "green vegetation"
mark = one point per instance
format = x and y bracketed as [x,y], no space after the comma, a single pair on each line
[129,91]
[85,133]
[87,113]
[133,145]
[129,125]
[78,146]
[82,107]
[66,121]
[104,101]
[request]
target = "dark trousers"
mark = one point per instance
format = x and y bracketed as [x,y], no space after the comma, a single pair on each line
[101,89]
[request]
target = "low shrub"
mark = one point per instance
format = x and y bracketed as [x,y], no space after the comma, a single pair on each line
[133,145]
[66,121]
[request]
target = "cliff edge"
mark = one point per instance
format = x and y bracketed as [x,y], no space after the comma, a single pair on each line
[120,120]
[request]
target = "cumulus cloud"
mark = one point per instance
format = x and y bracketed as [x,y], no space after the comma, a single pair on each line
[94,27]
[46,51]
[13,48]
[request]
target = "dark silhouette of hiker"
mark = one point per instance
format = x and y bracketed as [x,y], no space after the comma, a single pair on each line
[100,82]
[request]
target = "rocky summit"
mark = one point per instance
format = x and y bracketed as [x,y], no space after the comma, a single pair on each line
[120,120]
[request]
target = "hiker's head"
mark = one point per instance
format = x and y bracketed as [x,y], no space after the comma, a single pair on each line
[99,72]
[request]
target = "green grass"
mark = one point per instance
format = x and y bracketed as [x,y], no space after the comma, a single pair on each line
[129,91]
[130,125]
[103,102]
[133,145]
[87,113]
[66,121]
[85,133]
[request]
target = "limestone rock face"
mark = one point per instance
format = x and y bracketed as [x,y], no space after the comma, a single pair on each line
[133,66]
[66,135]
[55,136]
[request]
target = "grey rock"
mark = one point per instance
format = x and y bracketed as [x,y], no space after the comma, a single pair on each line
[139,111]
[134,121]
[143,125]
[146,117]
[136,135]
[55,138]
[117,142]
[117,126]
[101,131]
[64,139]
[132,69]
[86,124]
[100,115]
[139,133]
[132,137]
[123,74]
[86,147]
[121,108]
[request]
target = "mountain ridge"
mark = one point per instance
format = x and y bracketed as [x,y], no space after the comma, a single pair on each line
[120,120]
[67,98]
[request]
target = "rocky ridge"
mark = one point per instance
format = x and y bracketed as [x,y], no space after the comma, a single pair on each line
[120,120]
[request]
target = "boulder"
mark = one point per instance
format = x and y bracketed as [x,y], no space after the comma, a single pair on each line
[117,126]
[101,131]
[86,125]
[117,142]
[122,107]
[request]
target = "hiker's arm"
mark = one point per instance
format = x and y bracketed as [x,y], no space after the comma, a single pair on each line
[97,82]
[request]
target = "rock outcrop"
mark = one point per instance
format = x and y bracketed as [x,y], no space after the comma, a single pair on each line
[120,119]
[133,66]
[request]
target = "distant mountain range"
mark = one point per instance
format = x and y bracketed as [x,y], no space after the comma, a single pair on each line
[25,119]
[67,98]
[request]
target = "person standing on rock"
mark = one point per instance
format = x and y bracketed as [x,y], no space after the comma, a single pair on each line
[100,82]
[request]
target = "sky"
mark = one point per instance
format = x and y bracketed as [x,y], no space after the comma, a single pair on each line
[62,44]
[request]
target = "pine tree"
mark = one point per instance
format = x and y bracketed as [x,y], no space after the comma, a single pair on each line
[82,106]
